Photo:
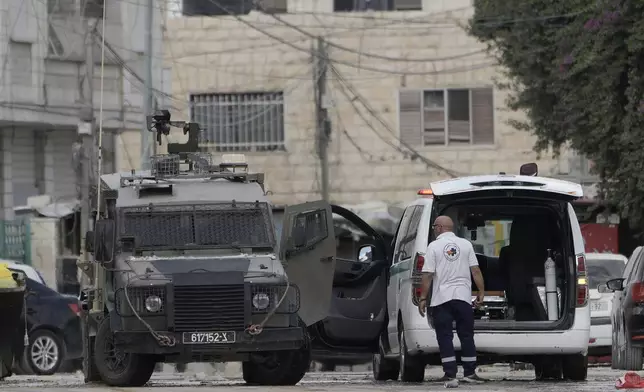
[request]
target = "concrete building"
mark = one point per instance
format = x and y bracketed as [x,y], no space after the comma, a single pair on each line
[248,79]
[41,91]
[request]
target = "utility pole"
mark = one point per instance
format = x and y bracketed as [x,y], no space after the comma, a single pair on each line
[148,99]
[322,121]
[86,135]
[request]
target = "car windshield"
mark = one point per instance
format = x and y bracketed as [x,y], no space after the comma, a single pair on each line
[602,270]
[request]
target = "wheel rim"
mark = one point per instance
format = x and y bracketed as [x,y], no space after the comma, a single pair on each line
[44,353]
[116,360]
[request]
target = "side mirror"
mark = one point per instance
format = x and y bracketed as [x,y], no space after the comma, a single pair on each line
[602,288]
[365,254]
[615,284]
[104,233]
[89,242]
[529,169]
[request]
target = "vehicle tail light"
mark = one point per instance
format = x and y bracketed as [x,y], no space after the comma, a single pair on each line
[74,308]
[419,262]
[582,282]
[637,292]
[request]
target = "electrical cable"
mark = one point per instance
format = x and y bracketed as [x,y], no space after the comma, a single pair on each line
[356,95]
[366,54]
[347,63]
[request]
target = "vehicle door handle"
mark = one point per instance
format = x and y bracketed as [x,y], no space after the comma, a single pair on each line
[399,284]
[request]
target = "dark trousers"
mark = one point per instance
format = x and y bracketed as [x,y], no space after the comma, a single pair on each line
[443,316]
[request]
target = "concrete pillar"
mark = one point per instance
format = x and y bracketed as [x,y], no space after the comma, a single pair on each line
[6,186]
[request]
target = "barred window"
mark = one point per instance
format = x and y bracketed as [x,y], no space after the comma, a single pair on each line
[241,121]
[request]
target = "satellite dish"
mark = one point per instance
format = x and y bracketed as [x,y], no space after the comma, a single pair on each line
[529,169]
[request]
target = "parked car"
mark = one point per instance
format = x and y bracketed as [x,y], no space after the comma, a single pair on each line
[516,222]
[602,267]
[53,326]
[627,315]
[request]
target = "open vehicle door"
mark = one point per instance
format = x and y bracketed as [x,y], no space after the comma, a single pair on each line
[358,313]
[307,249]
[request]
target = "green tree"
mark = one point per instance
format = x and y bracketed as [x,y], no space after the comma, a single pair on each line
[576,67]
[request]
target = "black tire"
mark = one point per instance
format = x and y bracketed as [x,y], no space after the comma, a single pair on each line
[384,369]
[548,368]
[45,352]
[633,356]
[411,369]
[616,360]
[88,362]
[575,367]
[327,366]
[279,368]
[133,370]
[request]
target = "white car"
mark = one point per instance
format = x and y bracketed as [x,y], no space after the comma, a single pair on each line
[514,222]
[602,267]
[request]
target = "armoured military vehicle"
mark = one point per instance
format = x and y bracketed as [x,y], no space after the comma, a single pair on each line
[186,267]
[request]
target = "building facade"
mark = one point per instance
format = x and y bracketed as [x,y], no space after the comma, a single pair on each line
[43,89]
[411,98]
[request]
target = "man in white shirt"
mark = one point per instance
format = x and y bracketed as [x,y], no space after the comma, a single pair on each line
[450,262]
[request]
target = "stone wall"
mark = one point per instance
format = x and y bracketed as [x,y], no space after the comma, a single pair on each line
[225,55]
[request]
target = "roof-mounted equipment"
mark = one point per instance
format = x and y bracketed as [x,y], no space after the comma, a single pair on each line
[233,163]
[161,124]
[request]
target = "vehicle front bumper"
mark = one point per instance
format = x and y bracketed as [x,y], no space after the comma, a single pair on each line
[270,339]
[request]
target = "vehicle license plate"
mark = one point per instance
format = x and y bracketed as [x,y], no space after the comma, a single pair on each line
[208,337]
[598,306]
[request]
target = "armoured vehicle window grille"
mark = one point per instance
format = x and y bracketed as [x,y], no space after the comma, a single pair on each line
[138,295]
[315,227]
[217,225]
[291,303]
[209,308]
[169,165]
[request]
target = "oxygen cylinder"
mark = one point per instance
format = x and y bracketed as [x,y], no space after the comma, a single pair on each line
[552,301]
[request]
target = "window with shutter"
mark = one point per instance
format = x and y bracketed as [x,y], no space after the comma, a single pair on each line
[410,117]
[458,122]
[273,6]
[433,118]
[408,5]
[482,115]
[377,5]
[452,116]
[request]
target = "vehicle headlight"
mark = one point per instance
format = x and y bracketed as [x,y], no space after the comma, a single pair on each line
[261,301]
[153,303]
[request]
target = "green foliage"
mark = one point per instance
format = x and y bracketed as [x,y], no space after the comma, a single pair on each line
[576,67]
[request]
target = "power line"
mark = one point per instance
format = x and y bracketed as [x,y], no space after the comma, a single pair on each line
[348,89]
[349,64]
[373,55]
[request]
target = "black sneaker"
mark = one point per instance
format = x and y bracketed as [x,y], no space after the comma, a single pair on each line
[473,379]
[448,382]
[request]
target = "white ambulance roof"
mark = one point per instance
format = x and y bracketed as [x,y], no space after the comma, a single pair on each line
[503,182]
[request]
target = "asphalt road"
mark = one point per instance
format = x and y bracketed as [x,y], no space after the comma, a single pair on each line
[501,379]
